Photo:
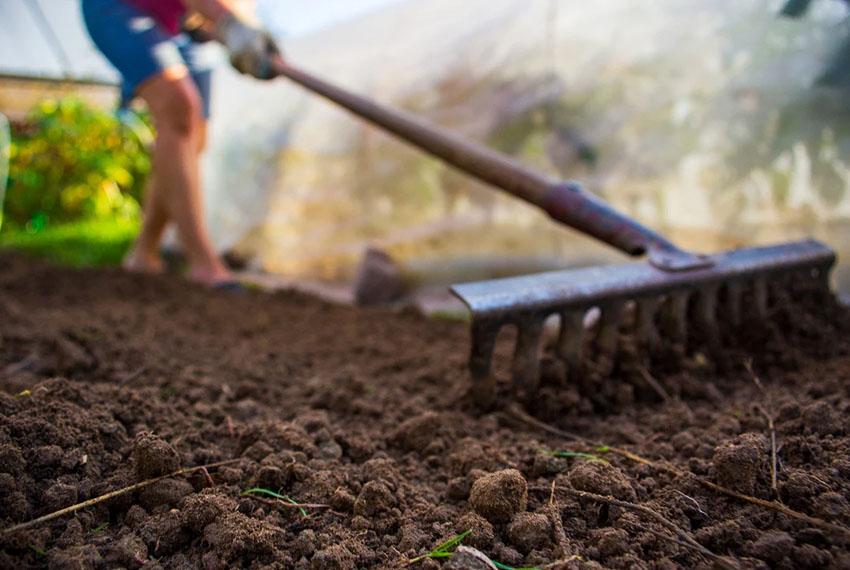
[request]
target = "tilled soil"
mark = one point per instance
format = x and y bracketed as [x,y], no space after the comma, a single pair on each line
[109,379]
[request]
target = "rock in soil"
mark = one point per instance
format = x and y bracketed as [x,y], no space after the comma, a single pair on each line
[109,378]
[378,279]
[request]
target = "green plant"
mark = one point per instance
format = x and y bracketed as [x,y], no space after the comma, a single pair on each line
[70,161]
[276,496]
[589,456]
[79,244]
[443,550]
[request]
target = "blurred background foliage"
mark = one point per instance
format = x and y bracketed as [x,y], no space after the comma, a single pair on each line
[71,162]
[76,178]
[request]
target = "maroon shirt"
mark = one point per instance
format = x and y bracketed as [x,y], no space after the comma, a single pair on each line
[166,12]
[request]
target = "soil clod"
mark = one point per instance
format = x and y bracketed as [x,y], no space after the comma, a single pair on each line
[499,496]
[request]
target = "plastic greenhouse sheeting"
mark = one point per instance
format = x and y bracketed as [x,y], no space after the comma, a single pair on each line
[700,119]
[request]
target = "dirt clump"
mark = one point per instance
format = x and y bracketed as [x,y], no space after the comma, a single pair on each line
[601,478]
[374,498]
[529,531]
[336,557]
[153,456]
[737,463]
[499,496]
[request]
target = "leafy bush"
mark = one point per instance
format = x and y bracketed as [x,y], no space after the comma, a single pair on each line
[72,162]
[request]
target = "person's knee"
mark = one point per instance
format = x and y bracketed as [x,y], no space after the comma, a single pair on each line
[177,108]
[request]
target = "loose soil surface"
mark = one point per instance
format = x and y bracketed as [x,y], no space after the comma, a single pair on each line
[109,379]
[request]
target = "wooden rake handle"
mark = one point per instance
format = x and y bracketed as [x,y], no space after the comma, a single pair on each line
[564,202]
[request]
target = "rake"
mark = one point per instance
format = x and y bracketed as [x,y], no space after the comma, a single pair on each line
[654,301]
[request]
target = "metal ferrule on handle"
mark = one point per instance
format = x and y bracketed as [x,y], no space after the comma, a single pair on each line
[566,203]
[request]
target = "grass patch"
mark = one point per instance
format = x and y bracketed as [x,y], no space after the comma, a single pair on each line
[78,244]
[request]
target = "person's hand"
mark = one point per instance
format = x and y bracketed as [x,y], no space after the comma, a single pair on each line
[251,47]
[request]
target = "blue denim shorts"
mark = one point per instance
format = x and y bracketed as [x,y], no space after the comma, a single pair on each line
[140,48]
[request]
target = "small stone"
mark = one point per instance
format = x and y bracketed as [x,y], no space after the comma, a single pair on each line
[602,478]
[499,496]
[153,456]
[529,531]
[466,558]
[378,279]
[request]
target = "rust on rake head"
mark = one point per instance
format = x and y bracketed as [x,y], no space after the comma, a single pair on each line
[647,292]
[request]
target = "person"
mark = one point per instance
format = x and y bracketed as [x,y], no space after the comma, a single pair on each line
[163,65]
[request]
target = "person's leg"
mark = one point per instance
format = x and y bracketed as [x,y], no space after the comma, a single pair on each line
[153,67]
[175,193]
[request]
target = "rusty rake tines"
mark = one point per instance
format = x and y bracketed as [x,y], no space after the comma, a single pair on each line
[661,308]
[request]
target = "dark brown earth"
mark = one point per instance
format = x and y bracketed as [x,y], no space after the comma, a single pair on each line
[108,379]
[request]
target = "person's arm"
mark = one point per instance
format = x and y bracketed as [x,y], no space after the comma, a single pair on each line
[235,25]
[215,10]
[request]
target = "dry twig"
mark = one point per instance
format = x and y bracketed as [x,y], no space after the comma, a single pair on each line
[653,383]
[836,529]
[683,536]
[554,512]
[107,496]
[769,415]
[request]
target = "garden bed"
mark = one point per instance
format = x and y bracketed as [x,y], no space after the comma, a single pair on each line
[361,417]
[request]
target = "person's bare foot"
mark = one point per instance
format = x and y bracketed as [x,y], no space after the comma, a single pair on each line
[136,262]
[210,276]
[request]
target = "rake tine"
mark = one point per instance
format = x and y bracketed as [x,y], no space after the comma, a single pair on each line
[606,339]
[646,332]
[526,364]
[734,292]
[484,334]
[705,313]
[760,298]
[675,319]
[569,340]
[633,298]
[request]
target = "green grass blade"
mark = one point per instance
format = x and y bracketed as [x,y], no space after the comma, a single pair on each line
[442,550]
[444,547]
[575,454]
[271,493]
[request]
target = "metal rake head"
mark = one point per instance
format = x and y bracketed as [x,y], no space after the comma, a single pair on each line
[596,304]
